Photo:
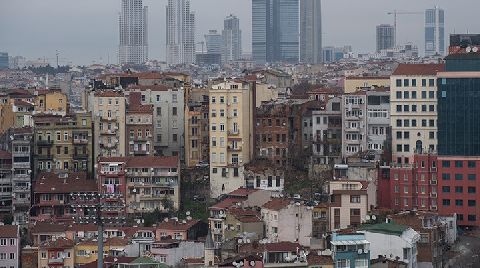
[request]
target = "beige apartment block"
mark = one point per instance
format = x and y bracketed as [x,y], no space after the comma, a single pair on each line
[349,204]
[356,83]
[231,133]
[413,102]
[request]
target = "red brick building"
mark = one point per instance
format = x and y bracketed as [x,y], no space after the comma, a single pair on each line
[458,188]
[414,186]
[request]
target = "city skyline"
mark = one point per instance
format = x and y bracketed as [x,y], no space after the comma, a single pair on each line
[74,45]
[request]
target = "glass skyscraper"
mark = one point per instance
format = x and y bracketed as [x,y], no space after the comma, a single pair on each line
[180,33]
[232,39]
[311,31]
[434,31]
[275,31]
[133,48]
[385,37]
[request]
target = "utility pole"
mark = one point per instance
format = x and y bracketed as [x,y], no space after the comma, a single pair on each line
[100,209]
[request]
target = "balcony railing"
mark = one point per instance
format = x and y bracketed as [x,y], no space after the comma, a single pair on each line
[233,132]
[55,261]
[80,156]
[80,141]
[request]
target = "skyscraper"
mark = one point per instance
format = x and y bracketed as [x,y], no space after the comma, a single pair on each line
[180,32]
[311,31]
[133,47]
[275,31]
[385,37]
[232,39]
[434,31]
[213,41]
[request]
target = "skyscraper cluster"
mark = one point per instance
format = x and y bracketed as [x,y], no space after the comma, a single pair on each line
[133,47]
[180,39]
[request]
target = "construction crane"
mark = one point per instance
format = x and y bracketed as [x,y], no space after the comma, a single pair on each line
[395,13]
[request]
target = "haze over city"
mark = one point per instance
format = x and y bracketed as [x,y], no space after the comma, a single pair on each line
[87,31]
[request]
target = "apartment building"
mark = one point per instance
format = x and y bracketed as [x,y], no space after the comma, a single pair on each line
[327,132]
[52,199]
[10,246]
[21,149]
[139,128]
[51,101]
[350,250]
[358,83]
[168,116]
[264,175]
[413,112]
[145,182]
[197,142]
[231,134]
[378,119]
[414,186]
[108,115]
[5,182]
[348,203]
[287,220]
[354,119]
[63,143]
[59,252]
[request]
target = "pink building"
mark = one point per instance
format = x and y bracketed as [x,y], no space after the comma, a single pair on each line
[9,246]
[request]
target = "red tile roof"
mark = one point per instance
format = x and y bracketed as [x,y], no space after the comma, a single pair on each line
[227,202]
[5,155]
[243,192]
[153,161]
[9,231]
[49,182]
[314,259]
[419,69]
[22,103]
[152,87]
[44,227]
[367,77]
[176,225]
[277,204]
[58,243]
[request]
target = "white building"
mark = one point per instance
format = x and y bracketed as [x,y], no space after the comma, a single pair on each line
[354,119]
[180,33]
[413,110]
[232,39]
[393,241]
[133,20]
[378,118]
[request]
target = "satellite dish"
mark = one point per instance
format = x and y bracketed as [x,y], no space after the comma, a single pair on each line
[359,251]
[252,263]
[468,49]
[374,217]
[475,49]
[368,217]
[187,213]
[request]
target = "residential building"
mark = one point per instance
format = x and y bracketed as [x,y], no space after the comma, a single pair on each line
[385,37]
[197,142]
[279,254]
[139,128]
[232,39]
[7,116]
[356,83]
[133,32]
[108,115]
[63,143]
[57,252]
[231,134]
[6,182]
[264,175]
[275,31]
[172,252]
[354,119]
[378,119]
[414,186]
[153,182]
[327,132]
[10,246]
[23,110]
[168,116]
[348,204]
[52,198]
[433,244]
[434,31]
[51,101]
[350,250]
[413,110]
[311,31]
[180,32]
[393,240]
[21,148]
[243,223]
[287,220]
[86,250]
[111,177]
[320,226]
[189,229]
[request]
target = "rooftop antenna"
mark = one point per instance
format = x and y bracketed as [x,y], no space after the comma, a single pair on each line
[56,53]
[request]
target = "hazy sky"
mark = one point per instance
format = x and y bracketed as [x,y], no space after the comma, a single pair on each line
[87,30]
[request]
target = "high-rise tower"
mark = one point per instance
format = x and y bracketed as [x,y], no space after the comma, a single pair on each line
[311,31]
[180,32]
[133,48]
[232,39]
[434,31]
[385,37]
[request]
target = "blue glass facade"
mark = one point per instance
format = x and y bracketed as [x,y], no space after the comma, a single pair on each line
[275,31]
[434,31]
[3,60]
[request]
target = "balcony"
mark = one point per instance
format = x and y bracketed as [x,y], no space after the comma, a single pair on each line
[108,145]
[233,132]
[6,166]
[20,153]
[80,156]
[108,132]
[234,149]
[44,142]
[21,165]
[80,141]
[53,261]
[108,119]
[21,188]
[234,164]
[44,156]
[141,152]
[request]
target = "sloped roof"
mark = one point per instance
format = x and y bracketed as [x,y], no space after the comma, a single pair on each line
[8,231]
[419,69]
[49,182]
[385,228]
[277,203]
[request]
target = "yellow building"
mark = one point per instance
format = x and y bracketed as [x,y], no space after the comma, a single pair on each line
[87,251]
[58,252]
[51,101]
[231,134]
[63,143]
[356,83]
[7,117]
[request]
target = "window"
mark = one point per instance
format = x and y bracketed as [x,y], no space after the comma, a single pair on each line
[399,135]
[472,203]
[414,94]
[446,202]
[471,164]
[406,108]
[424,108]
[458,164]
[343,263]
[431,82]
[213,99]
[431,94]
[431,108]
[399,82]
[354,199]
[12,256]
[174,111]
[174,98]
[174,137]
[414,121]
[472,217]
[414,108]
[445,164]
[399,94]
[406,82]
[361,263]
[459,217]
[458,177]
[12,242]
[406,95]
[399,123]
[445,176]
[431,135]
[459,202]
[399,108]
[446,189]
[472,177]
[406,135]
[414,82]
[424,82]
[406,254]
[3,242]
[471,189]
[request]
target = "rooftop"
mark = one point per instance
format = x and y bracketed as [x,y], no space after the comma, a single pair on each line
[385,228]
[49,182]
[277,203]
[9,231]
[419,69]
